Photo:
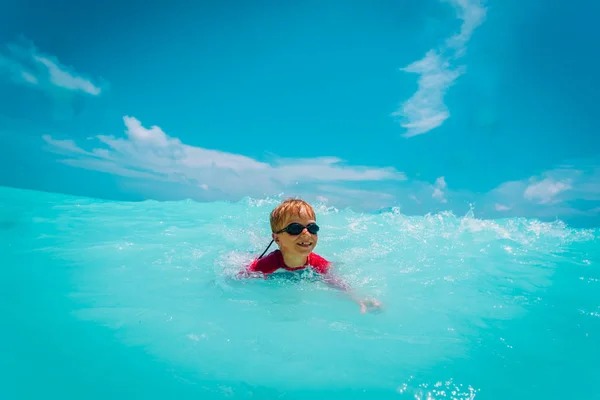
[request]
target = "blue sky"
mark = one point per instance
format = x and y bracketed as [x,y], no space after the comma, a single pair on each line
[425,105]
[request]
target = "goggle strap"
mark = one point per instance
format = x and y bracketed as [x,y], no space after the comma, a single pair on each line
[263,253]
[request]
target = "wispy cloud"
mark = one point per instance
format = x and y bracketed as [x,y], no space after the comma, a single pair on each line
[149,153]
[546,190]
[426,109]
[563,191]
[22,63]
[438,190]
[162,167]
[62,78]
[349,197]
[501,207]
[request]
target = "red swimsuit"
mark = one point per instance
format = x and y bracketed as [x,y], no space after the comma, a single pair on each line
[274,261]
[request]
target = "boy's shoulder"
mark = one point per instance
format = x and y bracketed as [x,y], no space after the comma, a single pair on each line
[320,264]
[267,264]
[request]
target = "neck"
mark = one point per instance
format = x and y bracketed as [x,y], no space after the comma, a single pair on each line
[294,261]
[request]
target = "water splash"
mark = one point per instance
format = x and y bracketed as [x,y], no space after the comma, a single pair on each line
[158,275]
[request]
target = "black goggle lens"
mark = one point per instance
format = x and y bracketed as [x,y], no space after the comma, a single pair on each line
[296,228]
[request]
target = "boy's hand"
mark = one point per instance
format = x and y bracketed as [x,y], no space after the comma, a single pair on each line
[366,305]
[371,305]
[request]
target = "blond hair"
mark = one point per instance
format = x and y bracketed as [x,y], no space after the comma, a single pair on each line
[287,208]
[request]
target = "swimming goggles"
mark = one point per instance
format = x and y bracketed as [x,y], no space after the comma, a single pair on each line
[295,229]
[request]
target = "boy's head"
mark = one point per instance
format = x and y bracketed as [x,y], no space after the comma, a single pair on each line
[289,236]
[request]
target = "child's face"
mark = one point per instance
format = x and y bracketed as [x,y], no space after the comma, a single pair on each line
[301,244]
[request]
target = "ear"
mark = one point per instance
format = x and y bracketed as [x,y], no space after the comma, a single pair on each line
[275,237]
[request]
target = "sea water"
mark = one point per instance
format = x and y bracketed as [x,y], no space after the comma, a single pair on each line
[119,300]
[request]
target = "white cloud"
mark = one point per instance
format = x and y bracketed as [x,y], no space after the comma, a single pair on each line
[60,77]
[472,13]
[501,207]
[350,193]
[66,146]
[149,153]
[29,77]
[562,192]
[438,190]
[426,110]
[162,167]
[24,64]
[545,191]
[415,198]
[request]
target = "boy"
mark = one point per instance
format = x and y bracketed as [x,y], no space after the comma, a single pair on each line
[294,229]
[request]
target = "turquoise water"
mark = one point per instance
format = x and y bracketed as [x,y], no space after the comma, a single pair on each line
[105,299]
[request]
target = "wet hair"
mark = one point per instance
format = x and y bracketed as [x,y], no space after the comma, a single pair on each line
[289,207]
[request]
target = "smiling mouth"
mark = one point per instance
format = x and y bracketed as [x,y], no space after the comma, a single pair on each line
[305,244]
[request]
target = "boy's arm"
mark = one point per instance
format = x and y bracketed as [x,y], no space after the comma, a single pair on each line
[335,281]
